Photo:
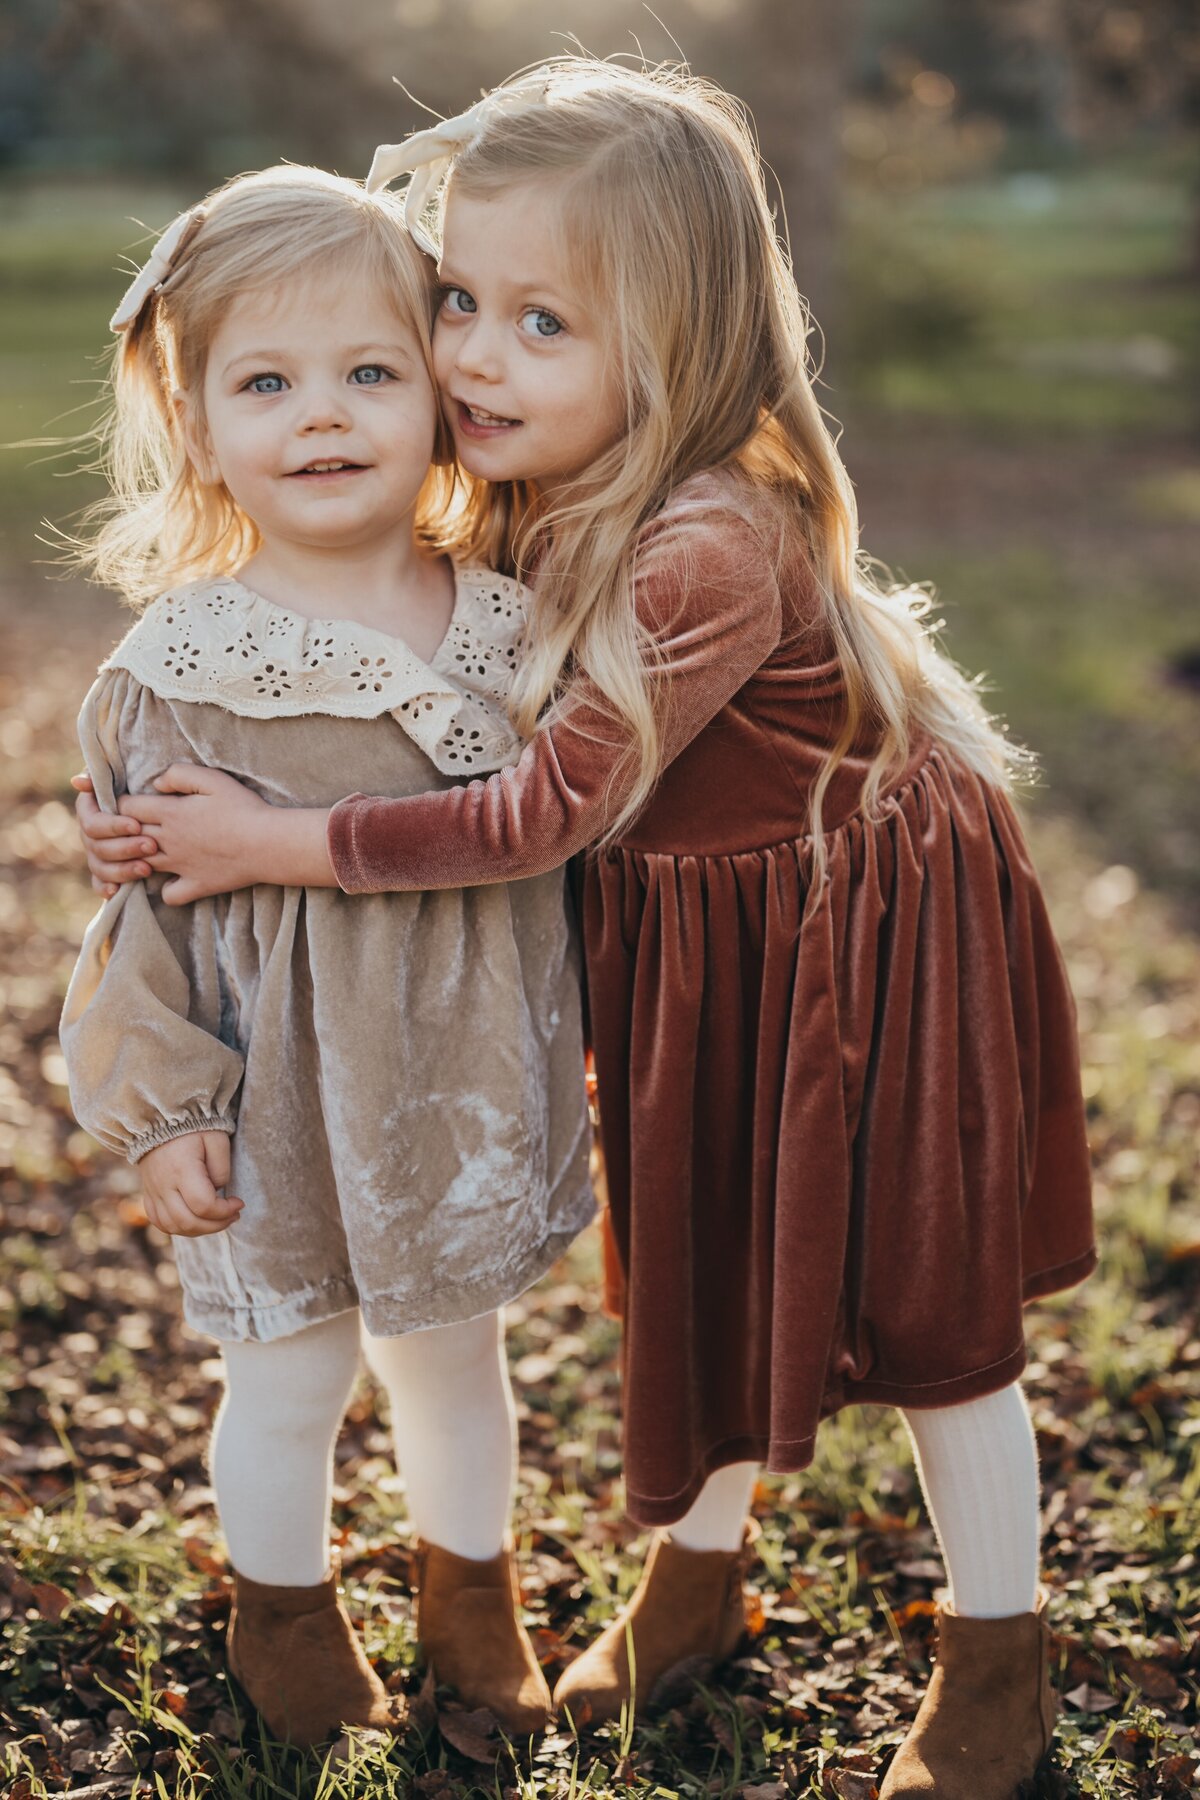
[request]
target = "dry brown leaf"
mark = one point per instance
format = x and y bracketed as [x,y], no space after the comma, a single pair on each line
[473,1734]
[1089,1699]
[51,1601]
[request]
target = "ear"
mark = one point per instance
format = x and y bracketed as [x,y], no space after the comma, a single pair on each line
[196,441]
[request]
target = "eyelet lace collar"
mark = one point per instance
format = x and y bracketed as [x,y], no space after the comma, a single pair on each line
[220,643]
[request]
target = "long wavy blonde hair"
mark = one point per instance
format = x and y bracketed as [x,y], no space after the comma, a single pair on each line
[661,194]
[160,524]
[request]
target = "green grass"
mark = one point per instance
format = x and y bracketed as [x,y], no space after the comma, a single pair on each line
[1057,304]
[1078,658]
[63,250]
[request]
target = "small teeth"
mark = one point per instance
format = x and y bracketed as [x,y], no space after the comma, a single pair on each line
[481,416]
[325,468]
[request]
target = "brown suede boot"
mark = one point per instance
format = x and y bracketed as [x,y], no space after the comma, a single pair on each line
[296,1655]
[471,1635]
[689,1606]
[988,1716]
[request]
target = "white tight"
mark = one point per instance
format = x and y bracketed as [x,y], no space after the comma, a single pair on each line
[272,1450]
[979,1472]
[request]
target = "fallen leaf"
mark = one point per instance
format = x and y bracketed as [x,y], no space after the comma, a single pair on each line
[915,1609]
[50,1601]
[1149,1678]
[200,1556]
[473,1734]
[1089,1699]
[850,1784]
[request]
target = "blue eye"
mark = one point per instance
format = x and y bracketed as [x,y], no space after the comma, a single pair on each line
[458,303]
[266,384]
[545,324]
[370,375]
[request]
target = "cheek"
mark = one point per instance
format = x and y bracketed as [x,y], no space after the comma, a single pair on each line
[599,409]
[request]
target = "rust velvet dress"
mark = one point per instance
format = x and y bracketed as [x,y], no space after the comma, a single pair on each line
[843,1146]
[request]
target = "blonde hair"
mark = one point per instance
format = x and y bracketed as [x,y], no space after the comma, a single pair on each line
[160,524]
[665,209]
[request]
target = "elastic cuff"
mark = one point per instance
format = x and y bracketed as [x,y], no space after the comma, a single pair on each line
[173,1128]
[339,842]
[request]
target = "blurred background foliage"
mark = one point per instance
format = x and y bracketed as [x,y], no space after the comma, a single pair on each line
[994,208]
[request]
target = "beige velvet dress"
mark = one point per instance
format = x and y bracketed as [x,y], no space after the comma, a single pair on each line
[402,1074]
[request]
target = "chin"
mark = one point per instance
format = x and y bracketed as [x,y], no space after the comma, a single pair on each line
[485,462]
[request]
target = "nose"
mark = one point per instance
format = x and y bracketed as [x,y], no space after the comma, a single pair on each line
[324,408]
[477,351]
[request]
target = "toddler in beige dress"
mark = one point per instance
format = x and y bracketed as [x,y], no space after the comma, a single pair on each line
[363,1119]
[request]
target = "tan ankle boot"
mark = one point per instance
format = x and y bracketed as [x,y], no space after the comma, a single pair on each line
[988,1716]
[471,1635]
[297,1656]
[688,1604]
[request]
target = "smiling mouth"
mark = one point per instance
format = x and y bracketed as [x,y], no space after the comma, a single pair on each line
[479,419]
[328,466]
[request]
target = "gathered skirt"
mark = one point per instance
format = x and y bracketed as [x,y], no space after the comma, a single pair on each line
[845,1142]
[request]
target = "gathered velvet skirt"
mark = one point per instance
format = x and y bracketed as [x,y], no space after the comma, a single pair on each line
[844,1141]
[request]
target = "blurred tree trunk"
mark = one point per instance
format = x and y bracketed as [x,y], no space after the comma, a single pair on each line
[806,47]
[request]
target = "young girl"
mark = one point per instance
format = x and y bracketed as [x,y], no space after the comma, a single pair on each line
[835,1044]
[391,1087]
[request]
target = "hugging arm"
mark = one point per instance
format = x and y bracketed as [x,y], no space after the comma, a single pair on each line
[707,591]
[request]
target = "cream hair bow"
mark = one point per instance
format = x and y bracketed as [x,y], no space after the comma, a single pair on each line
[426,156]
[154,272]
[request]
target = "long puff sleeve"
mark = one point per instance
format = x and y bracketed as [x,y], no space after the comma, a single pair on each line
[143,1065]
[706,587]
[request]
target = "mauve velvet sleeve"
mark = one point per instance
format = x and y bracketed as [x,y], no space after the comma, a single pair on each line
[706,588]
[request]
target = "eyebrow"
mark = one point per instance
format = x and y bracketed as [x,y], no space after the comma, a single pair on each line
[546,289]
[394,353]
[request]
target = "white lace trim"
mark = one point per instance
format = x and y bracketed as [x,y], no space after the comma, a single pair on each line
[221,643]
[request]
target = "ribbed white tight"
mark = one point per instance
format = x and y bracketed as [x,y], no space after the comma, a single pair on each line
[978,1469]
[272,1450]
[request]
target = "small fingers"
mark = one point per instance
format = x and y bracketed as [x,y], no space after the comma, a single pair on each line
[125,849]
[142,808]
[82,783]
[218,1157]
[199,1193]
[167,1212]
[210,1205]
[100,825]
[181,892]
[180,1219]
[150,1206]
[105,873]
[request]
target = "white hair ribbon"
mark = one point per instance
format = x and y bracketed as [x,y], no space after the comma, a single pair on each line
[157,267]
[426,156]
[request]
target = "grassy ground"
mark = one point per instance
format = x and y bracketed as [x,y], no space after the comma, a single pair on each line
[112,1576]
[1053,500]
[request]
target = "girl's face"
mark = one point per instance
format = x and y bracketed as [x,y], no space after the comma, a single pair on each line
[524,362]
[319,414]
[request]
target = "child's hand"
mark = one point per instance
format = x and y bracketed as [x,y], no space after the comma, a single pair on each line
[179,1185]
[116,847]
[210,831]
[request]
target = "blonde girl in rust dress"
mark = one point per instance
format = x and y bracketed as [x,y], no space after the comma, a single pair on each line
[836,1049]
[358,1117]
